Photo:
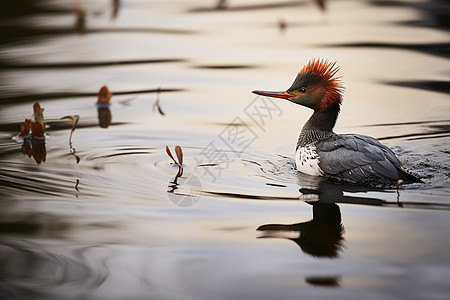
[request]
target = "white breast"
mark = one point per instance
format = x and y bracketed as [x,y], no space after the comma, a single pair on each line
[307,160]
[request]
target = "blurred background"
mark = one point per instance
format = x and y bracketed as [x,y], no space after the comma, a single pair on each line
[96,209]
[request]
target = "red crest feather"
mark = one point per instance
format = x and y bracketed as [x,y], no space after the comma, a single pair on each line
[333,87]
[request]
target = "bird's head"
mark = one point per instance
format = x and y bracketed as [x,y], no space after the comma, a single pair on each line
[316,87]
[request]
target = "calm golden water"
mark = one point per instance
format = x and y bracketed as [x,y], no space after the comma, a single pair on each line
[107,217]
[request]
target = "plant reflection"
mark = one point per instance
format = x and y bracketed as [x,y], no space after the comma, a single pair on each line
[173,185]
[80,19]
[34,147]
[104,115]
[186,191]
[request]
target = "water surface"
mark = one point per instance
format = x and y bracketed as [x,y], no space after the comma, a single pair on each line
[106,217]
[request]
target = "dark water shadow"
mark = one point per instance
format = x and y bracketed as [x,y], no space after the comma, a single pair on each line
[23,33]
[14,9]
[57,125]
[435,13]
[4,99]
[142,30]
[428,130]
[15,29]
[34,224]
[437,49]
[432,132]
[74,65]
[429,85]
[405,123]
[226,67]
[248,197]
[325,281]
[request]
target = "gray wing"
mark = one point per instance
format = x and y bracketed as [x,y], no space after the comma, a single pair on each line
[357,158]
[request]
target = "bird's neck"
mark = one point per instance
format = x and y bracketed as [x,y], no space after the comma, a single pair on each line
[319,126]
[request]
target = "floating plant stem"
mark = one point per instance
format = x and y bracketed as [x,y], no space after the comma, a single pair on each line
[156,104]
[74,119]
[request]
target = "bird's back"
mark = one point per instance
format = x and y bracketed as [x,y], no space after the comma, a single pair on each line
[359,159]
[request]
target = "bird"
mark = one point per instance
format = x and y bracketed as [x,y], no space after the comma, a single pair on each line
[348,158]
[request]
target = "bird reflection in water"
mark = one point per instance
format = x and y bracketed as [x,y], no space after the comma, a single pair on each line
[322,236]
[319,237]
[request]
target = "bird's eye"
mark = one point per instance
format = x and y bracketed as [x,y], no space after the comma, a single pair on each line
[303,90]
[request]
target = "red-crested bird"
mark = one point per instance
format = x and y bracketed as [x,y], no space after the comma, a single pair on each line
[350,158]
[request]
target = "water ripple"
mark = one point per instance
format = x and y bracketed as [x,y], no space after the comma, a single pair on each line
[33,271]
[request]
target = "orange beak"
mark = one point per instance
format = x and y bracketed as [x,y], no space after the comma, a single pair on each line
[282,95]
